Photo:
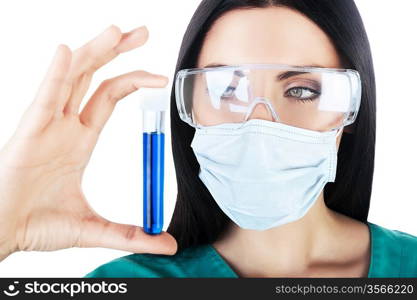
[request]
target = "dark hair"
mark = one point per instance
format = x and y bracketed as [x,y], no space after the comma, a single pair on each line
[197,219]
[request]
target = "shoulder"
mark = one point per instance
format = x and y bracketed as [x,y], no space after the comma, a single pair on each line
[196,261]
[394,252]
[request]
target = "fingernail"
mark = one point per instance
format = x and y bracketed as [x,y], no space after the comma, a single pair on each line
[160,76]
[58,48]
[139,30]
[110,27]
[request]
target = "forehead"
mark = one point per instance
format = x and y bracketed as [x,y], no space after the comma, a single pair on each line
[267,35]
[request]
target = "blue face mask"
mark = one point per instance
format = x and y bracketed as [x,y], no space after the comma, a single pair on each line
[264,174]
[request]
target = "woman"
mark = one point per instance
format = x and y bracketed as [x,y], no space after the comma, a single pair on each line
[327,236]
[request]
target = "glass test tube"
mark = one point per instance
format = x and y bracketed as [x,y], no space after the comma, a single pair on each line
[153,170]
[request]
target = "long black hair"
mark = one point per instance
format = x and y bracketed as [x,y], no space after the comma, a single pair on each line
[197,219]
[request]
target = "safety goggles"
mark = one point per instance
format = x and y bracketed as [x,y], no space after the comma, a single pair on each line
[313,98]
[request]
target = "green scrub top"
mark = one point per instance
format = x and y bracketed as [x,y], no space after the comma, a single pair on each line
[393,254]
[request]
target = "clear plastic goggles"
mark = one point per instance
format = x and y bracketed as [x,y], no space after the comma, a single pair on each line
[313,98]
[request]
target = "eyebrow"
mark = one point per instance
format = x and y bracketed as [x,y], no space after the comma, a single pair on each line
[281,76]
[289,74]
[212,65]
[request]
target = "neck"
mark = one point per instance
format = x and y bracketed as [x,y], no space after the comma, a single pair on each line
[290,249]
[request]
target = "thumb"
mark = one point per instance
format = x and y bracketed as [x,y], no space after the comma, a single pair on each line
[100,232]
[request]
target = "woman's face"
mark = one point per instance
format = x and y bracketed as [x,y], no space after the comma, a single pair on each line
[267,35]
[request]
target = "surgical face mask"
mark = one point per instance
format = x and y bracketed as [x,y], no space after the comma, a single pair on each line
[264,174]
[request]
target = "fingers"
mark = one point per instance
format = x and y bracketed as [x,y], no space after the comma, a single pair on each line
[97,53]
[101,104]
[69,76]
[89,57]
[54,86]
[99,232]
[86,57]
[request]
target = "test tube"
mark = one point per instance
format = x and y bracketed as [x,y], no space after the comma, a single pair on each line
[153,137]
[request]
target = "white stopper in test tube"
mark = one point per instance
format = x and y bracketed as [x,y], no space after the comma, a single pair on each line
[154,102]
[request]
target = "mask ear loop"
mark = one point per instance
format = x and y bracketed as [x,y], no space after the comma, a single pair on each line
[332,175]
[339,131]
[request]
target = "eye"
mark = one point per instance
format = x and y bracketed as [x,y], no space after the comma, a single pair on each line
[302,93]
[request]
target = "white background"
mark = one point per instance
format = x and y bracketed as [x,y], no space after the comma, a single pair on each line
[31,30]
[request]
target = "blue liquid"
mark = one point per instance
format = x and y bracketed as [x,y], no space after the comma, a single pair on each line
[153,182]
